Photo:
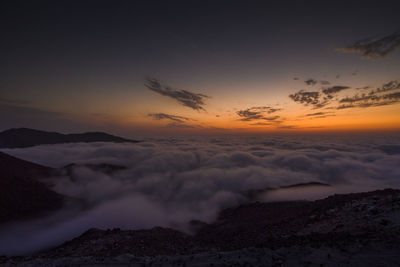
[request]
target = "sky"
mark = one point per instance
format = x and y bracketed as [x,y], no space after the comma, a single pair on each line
[174,67]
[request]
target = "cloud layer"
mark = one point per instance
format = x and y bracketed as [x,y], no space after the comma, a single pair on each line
[168,182]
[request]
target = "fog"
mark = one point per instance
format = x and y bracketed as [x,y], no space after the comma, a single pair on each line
[168,182]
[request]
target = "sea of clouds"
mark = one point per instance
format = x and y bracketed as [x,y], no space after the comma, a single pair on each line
[168,182]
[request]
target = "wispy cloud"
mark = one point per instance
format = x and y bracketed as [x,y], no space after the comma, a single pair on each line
[262,123]
[325,82]
[364,88]
[369,100]
[164,116]
[317,99]
[374,48]
[334,89]
[318,115]
[180,125]
[306,97]
[184,97]
[373,97]
[386,94]
[286,127]
[390,86]
[266,109]
[359,98]
[175,121]
[311,82]
[258,113]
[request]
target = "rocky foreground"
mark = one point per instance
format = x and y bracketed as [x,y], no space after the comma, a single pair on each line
[342,230]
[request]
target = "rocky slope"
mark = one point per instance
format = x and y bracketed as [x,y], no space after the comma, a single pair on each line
[346,230]
[21,194]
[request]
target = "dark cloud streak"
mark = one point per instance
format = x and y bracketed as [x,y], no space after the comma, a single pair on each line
[306,97]
[317,99]
[325,82]
[163,116]
[186,98]
[258,113]
[374,48]
[320,114]
[374,98]
[311,82]
[334,89]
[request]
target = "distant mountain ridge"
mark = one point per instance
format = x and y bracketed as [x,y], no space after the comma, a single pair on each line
[25,137]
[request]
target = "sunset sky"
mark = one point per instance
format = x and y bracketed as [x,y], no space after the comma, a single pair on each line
[200,66]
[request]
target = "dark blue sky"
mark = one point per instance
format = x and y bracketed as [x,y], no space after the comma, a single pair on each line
[90,58]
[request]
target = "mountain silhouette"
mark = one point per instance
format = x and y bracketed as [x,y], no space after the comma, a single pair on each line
[21,194]
[24,137]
